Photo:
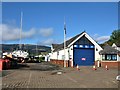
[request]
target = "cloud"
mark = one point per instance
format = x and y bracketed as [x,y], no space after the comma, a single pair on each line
[101,39]
[10,21]
[46,32]
[29,34]
[47,42]
[96,35]
[10,33]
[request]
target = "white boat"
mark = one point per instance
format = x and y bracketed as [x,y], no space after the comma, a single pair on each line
[118,77]
[20,54]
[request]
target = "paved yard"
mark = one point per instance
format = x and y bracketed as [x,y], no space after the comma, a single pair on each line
[70,78]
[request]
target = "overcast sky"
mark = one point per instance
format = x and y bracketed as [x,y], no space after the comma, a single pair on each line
[43,23]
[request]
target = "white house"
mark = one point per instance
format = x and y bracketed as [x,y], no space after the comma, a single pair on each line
[116,46]
[110,56]
[80,50]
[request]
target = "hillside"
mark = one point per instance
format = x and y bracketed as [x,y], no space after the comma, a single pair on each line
[27,47]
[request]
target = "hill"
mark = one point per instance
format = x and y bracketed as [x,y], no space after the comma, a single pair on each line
[32,49]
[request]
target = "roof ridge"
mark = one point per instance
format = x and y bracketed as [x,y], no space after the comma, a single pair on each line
[61,46]
[109,50]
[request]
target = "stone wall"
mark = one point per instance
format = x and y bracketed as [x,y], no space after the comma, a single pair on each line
[110,64]
[61,62]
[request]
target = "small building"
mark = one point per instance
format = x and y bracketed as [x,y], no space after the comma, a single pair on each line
[116,46]
[80,50]
[110,56]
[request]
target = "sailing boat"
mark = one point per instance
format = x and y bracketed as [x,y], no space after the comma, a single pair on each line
[20,54]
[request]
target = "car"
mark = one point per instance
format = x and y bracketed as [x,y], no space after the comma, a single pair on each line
[118,77]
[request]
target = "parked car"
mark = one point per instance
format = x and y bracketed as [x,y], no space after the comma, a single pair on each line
[118,77]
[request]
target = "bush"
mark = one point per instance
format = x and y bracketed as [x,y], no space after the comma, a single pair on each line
[41,59]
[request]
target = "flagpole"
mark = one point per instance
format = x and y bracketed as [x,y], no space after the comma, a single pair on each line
[64,43]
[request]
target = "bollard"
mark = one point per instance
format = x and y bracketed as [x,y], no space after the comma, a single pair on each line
[77,68]
[106,67]
[1,65]
[94,67]
[72,64]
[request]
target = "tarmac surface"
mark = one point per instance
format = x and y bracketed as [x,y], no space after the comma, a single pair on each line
[47,75]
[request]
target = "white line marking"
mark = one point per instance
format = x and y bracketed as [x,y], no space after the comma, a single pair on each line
[12,73]
[70,78]
[29,79]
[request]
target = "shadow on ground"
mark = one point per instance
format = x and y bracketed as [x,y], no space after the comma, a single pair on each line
[44,66]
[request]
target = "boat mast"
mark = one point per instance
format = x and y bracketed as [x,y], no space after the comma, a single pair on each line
[20,46]
[36,50]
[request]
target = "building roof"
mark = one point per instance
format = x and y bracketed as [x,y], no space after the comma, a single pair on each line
[109,50]
[61,46]
[71,41]
[117,44]
[57,47]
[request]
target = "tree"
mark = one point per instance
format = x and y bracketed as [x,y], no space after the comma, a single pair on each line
[115,37]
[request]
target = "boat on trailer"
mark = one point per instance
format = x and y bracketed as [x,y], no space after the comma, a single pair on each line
[19,55]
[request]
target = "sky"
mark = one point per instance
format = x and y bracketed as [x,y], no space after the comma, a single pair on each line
[43,22]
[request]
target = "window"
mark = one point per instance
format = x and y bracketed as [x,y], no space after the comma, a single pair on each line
[114,57]
[96,49]
[63,56]
[81,46]
[75,46]
[86,46]
[57,52]
[91,46]
[103,57]
[108,57]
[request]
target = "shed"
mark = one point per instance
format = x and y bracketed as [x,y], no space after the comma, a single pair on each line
[110,56]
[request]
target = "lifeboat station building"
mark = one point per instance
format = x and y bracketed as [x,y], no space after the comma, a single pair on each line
[80,50]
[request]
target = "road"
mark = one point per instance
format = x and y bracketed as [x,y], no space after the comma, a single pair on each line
[46,75]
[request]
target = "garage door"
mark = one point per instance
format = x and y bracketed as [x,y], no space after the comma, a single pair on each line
[84,56]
